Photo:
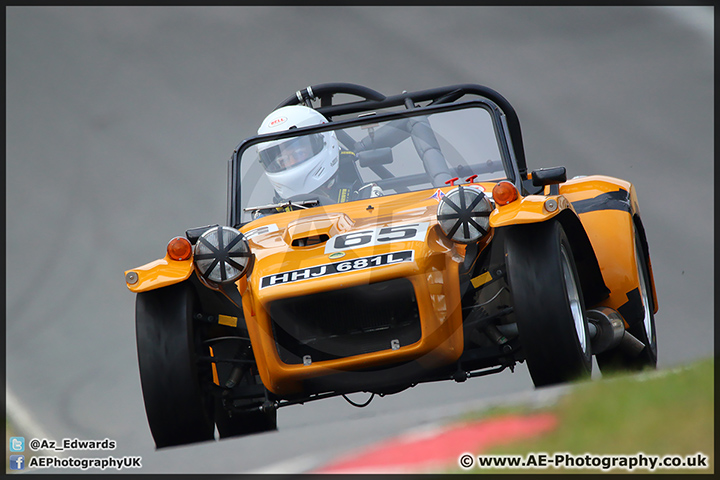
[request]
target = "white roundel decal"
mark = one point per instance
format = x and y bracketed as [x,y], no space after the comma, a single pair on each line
[412,232]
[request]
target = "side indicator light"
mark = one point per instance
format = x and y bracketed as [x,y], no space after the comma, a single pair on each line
[504,193]
[179,248]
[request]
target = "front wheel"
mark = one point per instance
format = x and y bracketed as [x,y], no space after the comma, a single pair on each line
[548,303]
[178,411]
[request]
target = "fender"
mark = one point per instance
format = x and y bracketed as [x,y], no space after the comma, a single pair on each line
[166,272]
[532,209]
[157,274]
[609,212]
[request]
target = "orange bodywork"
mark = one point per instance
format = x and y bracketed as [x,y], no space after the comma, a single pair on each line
[609,224]
[160,273]
[433,274]
[286,245]
[611,232]
[529,209]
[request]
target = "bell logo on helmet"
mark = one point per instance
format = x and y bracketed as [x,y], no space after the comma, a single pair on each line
[277,121]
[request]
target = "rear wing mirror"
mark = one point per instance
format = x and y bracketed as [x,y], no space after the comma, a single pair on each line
[375,158]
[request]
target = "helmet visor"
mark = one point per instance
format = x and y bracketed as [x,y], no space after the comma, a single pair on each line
[290,153]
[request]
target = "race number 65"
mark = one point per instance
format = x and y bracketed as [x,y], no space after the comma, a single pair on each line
[377,236]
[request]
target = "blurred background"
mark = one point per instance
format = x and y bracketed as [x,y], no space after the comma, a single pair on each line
[120,122]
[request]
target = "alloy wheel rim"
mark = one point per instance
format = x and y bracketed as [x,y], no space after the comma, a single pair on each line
[647,319]
[574,300]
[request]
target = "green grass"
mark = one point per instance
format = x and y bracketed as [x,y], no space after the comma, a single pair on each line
[665,412]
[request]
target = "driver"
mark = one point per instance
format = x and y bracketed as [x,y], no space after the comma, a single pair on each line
[309,163]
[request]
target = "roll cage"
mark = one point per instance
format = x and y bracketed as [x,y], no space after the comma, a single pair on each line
[383,107]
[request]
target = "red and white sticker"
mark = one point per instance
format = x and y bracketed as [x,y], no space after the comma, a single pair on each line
[276,122]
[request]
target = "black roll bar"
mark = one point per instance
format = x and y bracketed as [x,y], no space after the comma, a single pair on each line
[372,100]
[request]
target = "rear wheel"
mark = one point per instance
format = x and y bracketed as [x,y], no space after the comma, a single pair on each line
[178,410]
[641,327]
[548,303]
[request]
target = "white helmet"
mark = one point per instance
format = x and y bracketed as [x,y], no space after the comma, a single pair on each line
[300,164]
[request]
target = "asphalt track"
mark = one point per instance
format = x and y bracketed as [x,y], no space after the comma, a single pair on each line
[120,121]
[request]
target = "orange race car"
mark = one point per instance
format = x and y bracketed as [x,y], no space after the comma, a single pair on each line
[375,242]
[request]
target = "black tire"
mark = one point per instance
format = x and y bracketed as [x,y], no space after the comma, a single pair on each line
[641,327]
[548,303]
[178,411]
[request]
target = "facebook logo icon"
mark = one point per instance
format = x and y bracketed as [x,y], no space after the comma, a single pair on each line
[17,462]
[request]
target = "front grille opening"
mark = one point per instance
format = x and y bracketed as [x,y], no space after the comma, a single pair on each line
[346,322]
[310,241]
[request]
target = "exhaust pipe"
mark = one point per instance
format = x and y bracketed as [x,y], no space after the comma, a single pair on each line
[607,331]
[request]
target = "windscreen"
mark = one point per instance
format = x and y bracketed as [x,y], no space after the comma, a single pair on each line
[375,158]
